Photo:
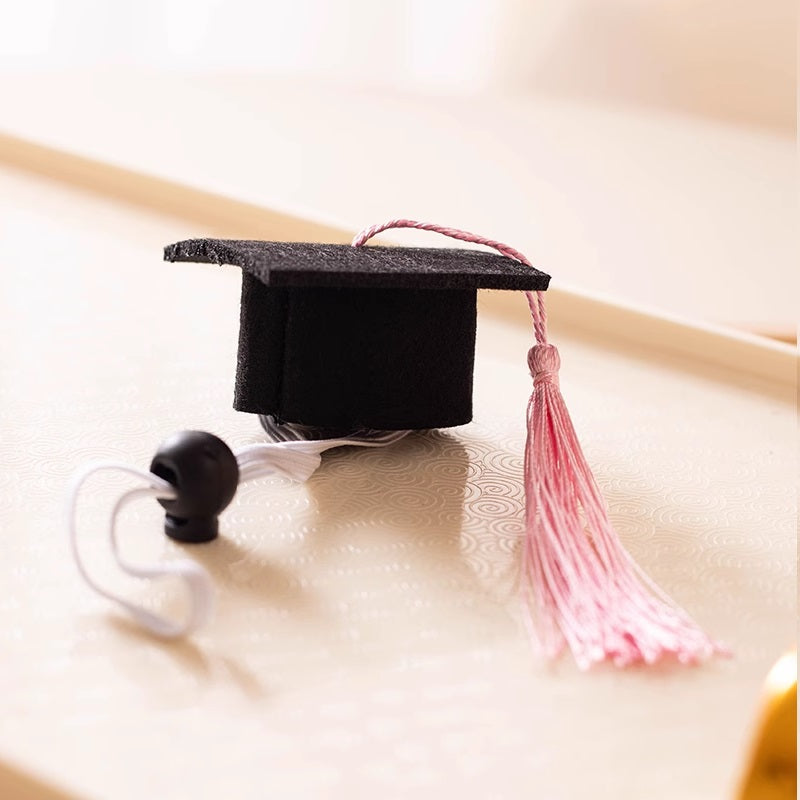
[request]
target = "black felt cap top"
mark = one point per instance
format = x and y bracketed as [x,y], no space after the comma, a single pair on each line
[344,266]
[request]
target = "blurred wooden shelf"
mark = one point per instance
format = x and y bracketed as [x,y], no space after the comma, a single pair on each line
[666,211]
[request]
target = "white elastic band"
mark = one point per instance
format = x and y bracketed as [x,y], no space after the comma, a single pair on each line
[296,459]
[195,578]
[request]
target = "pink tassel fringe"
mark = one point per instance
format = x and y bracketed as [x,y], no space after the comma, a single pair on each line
[585,588]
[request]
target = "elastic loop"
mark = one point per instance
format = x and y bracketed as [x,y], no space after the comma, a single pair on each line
[297,459]
[195,578]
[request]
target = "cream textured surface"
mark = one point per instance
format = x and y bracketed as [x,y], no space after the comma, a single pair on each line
[366,642]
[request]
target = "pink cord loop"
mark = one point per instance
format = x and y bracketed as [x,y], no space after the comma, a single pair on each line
[535,299]
[454,233]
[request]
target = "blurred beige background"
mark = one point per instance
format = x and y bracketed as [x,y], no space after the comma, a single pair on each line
[642,150]
[725,59]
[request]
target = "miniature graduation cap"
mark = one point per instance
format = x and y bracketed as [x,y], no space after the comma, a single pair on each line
[336,339]
[344,338]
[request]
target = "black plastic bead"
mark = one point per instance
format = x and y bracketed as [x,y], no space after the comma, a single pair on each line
[205,474]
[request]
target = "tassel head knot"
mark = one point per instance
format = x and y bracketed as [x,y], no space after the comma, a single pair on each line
[544,363]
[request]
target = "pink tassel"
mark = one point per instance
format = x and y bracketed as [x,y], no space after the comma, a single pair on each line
[585,588]
[580,585]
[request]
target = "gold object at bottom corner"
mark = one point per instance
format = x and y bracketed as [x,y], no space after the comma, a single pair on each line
[771,772]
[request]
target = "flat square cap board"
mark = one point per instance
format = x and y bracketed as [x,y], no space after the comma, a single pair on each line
[335,336]
[302,264]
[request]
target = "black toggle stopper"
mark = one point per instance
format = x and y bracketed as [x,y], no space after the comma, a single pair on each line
[205,474]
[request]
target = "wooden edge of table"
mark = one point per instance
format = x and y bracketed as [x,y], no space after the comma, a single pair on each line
[758,356]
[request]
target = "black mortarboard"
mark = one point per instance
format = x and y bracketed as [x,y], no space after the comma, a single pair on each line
[334,336]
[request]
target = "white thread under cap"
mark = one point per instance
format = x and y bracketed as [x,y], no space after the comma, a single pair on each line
[296,459]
